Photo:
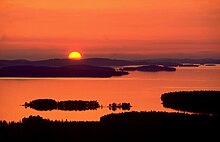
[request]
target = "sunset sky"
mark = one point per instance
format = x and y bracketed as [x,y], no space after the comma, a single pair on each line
[124,29]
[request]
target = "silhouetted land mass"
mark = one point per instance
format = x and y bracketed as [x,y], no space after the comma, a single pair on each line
[189,65]
[66,62]
[42,104]
[123,106]
[50,104]
[63,71]
[69,105]
[177,62]
[210,64]
[193,101]
[135,126]
[107,62]
[78,105]
[150,68]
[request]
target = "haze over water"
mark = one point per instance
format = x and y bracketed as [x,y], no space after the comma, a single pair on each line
[141,89]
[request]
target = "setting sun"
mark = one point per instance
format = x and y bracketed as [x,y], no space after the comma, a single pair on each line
[75,55]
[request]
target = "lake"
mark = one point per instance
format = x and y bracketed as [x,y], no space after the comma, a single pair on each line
[141,89]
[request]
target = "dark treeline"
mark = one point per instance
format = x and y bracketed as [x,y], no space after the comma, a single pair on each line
[50,104]
[78,105]
[136,126]
[149,68]
[193,101]
[189,65]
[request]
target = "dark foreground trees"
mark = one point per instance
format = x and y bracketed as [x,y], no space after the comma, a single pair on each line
[135,126]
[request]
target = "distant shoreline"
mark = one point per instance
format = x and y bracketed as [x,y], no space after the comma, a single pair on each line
[109,62]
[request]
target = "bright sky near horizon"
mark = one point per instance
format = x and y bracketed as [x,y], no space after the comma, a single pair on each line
[131,29]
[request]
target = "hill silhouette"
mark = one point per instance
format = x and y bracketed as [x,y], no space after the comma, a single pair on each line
[107,62]
[66,62]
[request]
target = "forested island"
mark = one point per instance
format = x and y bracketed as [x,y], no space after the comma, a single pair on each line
[193,101]
[150,68]
[50,104]
[72,105]
[63,71]
[123,106]
[188,65]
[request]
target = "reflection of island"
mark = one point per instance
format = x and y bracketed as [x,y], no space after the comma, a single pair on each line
[63,71]
[123,106]
[150,68]
[49,104]
[193,101]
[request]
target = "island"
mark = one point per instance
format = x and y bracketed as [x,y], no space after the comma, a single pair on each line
[72,105]
[69,105]
[123,106]
[149,68]
[193,101]
[63,71]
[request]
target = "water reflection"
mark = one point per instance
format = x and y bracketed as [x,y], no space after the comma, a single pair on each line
[141,89]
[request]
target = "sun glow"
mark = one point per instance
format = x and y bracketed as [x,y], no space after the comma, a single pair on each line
[75,55]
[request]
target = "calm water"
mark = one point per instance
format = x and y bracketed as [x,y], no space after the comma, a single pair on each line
[141,89]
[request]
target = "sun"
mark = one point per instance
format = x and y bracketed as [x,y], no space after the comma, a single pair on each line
[75,55]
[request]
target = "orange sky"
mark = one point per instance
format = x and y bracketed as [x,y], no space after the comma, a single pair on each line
[37,29]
